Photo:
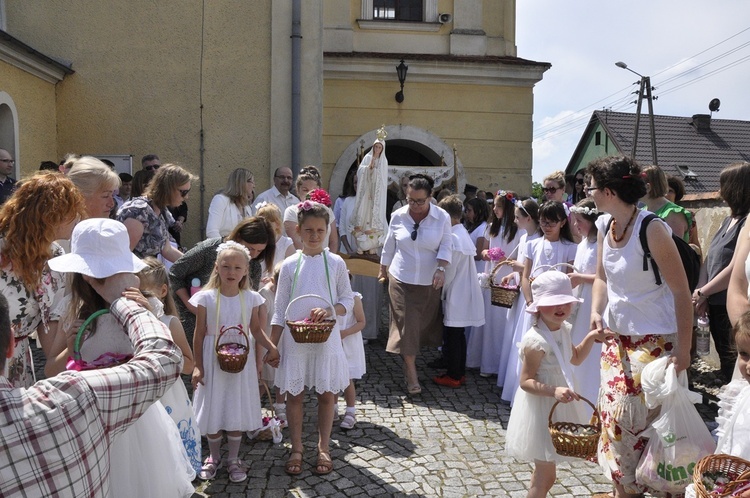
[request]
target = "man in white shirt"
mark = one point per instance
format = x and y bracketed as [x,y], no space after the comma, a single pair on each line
[280,194]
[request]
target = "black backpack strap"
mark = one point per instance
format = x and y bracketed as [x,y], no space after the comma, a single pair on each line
[646,251]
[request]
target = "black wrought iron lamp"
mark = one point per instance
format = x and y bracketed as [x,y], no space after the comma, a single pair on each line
[401,70]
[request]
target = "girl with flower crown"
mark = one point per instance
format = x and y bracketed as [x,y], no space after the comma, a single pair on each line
[322,366]
[501,236]
[224,401]
[584,215]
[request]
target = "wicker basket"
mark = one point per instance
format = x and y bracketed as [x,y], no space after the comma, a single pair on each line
[735,469]
[573,439]
[106,360]
[310,332]
[265,433]
[500,295]
[232,361]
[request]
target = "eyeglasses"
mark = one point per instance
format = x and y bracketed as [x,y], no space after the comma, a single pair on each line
[579,181]
[152,167]
[550,190]
[416,202]
[184,193]
[414,231]
[548,223]
[9,161]
[591,189]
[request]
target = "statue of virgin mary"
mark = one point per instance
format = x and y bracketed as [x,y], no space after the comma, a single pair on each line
[368,219]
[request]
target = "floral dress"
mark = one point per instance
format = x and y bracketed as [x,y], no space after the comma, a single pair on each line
[155,227]
[27,311]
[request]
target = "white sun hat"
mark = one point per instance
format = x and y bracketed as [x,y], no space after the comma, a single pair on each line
[99,248]
[551,288]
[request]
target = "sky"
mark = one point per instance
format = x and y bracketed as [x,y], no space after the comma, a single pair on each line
[693,51]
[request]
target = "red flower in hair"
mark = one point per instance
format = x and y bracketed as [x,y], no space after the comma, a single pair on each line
[320,196]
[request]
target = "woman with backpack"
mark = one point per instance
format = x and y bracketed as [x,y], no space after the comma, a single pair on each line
[648,319]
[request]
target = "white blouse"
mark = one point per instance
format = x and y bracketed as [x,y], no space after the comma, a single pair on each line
[414,261]
[223,216]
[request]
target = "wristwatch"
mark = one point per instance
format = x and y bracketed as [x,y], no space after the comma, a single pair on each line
[440,268]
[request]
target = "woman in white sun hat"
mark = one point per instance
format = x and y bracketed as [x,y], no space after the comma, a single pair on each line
[148,459]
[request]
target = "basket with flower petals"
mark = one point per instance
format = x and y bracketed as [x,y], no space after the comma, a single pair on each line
[232,356]
[306,330]
[721,475]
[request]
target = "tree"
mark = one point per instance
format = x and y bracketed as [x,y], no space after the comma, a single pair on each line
[536,190]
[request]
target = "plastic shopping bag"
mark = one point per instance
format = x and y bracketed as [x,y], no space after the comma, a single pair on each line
[678,438]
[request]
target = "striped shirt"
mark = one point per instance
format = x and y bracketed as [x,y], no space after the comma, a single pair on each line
[55,435]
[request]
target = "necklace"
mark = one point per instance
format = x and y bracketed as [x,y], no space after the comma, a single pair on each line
[614,226]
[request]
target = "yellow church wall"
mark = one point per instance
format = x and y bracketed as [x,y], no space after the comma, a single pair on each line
[34,100]
[491,126]
[139,79]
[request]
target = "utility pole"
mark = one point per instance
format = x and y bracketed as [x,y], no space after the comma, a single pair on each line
[644,92]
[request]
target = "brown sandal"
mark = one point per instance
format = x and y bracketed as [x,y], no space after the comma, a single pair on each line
[292,463]
[324,462]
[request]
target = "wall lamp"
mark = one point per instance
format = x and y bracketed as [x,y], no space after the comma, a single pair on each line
[401,70]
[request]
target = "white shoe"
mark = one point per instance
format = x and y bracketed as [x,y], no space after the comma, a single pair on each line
[350,420]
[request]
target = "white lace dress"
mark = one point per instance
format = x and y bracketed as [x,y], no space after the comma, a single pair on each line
[527,437]
[322,367]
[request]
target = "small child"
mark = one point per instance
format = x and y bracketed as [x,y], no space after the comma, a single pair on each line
[546,377]
[268,374]
[354,348]
[463,303]
[584,215]
[322,366]
[155,281]
[224,401]
[734,407]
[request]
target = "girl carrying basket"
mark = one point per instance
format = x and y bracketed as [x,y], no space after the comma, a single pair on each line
[225,401]
[319,366]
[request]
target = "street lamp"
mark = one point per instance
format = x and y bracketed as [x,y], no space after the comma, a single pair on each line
[643,92]
[401,70]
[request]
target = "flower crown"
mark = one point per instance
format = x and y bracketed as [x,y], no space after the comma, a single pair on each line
[230,244]
[584,210]
[261,204]
[320,196]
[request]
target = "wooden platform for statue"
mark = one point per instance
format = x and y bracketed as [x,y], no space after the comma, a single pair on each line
[362,264]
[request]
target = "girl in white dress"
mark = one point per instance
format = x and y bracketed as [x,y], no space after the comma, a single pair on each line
[546,376]
[224,401]
[526,217]
[148,459]
[321,366]
[476,215]
[354,348]
[555,247]
[155,281]
[582,280]
[485,343]
[284,245]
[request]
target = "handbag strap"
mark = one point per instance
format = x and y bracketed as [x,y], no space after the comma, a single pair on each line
[81,329]
[218,313]
[328,276]
[561,360]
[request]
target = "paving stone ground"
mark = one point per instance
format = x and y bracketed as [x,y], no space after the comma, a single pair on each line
[444,442]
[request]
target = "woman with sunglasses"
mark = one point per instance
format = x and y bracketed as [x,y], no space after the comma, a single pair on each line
[148,218]
[553,187]
[417,248]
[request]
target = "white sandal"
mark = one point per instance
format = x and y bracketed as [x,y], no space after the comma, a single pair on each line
[350,419]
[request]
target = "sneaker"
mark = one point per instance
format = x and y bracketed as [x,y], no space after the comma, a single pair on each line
[485,375]
[350,419]
[236,470]
[445,380]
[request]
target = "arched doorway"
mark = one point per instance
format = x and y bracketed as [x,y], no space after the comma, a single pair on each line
[407,148]
[9,128]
